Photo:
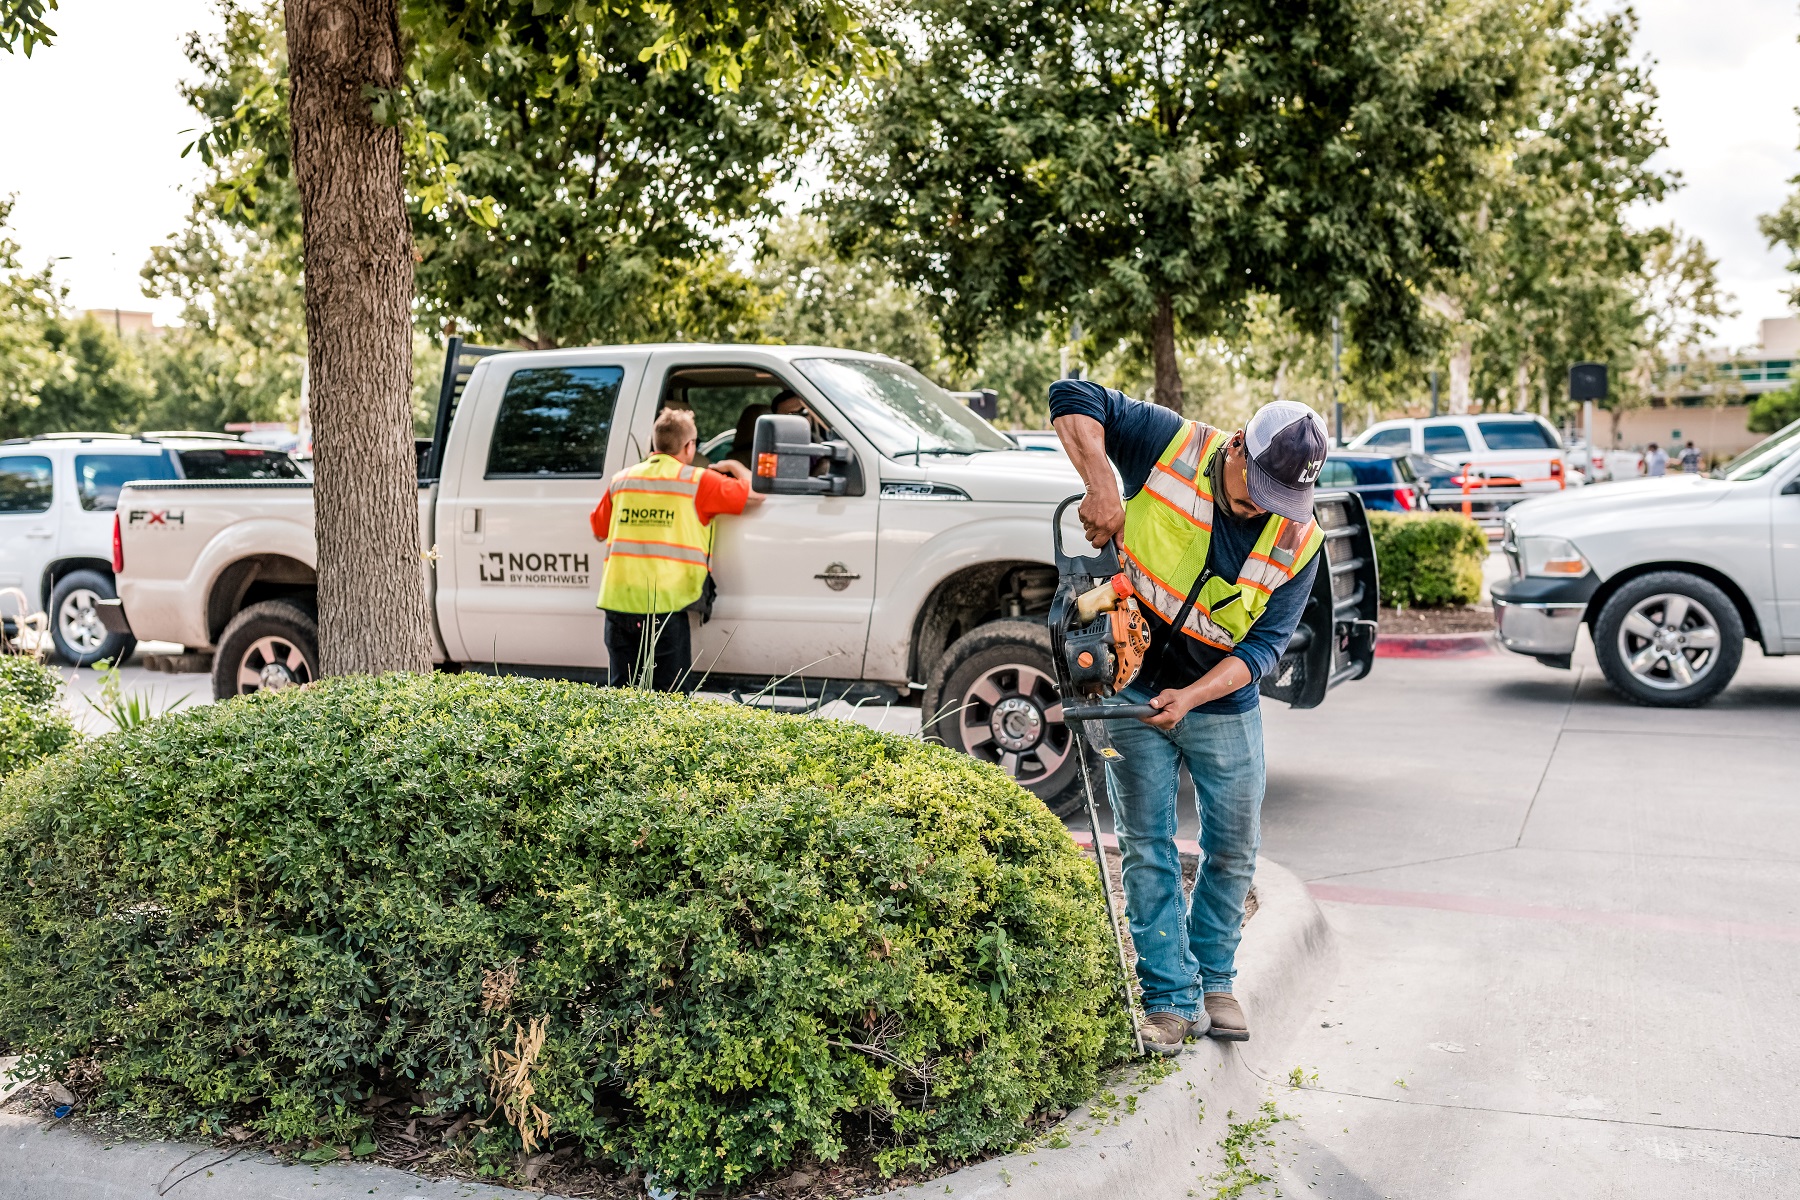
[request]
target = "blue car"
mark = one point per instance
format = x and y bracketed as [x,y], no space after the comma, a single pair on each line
[1385,481]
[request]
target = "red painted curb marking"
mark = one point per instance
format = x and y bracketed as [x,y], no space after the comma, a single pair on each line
[1434,645]
[1483,906]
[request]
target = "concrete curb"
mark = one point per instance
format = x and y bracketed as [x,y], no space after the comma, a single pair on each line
[1166,1144]
[1155,1151]
[1436,645]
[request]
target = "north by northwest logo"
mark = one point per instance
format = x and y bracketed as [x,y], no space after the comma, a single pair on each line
[534,570]
[156,516]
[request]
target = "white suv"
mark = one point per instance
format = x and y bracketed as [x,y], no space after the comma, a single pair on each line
[1509,446]
[57,495]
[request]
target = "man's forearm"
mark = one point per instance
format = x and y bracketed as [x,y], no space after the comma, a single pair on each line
[1084,440]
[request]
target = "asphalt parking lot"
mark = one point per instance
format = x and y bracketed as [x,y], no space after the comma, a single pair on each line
[1568,932]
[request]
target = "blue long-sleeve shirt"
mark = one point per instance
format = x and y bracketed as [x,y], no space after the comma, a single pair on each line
[1136,435]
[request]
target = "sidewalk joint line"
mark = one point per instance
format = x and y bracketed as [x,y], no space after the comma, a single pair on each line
[1561,727]
[1423,862]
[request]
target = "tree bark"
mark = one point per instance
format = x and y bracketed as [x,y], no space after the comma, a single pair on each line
[1462,367]
[357,248]
[1163,358]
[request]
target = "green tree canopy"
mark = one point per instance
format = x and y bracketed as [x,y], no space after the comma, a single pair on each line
[1149,166]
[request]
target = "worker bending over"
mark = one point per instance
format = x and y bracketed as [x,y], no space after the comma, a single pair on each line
[656,521]
[1226,519]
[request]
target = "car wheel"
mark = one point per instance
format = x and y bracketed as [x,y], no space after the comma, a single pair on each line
[75,626]
[267,647]
[993,696]
[1669,639]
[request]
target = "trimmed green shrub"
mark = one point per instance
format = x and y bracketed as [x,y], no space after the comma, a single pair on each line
[32,722]
[689,937]
[1428,560]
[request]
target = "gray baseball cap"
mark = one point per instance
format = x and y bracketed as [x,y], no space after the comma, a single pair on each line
[1285,443]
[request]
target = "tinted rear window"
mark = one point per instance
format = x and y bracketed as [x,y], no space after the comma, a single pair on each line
[239,462]
[1445,439]
[554,421]
[1391,437]
[24,484]
[1516,435]
[1372,470]
[98,477]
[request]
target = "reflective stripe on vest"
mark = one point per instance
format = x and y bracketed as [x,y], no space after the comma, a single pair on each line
[1168,531]
[657,551]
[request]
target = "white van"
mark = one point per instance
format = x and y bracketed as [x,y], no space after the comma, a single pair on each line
[57,495]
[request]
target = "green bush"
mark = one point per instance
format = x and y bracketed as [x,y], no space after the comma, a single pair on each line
[32,722]
[1772,411]
[742,936]
[1428,560]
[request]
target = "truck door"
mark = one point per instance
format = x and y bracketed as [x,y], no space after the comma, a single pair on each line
[27,525]
[527,462]
[795,574]
[1784,547]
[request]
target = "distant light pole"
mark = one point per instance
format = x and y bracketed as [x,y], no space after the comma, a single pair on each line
[1337,403]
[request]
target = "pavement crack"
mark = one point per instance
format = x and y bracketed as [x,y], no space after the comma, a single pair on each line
[1421,862]
[1562,726]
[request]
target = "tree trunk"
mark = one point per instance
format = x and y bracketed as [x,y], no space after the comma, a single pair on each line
[1522,386]
[357,248]
[1462,366]
[1163,357]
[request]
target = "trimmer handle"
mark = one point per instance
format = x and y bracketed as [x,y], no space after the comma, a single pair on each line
[1107,712]
[1101,564]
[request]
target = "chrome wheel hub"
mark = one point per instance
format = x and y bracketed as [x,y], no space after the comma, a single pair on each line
[1011,716]
[79,623]
[1669,641]
[272,663]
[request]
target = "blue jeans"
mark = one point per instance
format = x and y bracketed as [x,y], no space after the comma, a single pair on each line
[1180,955]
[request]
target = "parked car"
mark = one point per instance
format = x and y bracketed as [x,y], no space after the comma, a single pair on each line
[1387,482]
[57,495]
[1036,439]
[923,575]
[1506,456]
[1670,574]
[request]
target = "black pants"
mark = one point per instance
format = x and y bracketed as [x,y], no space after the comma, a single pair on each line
[628,649]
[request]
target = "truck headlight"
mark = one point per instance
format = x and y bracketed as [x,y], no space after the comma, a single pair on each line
[1554,557]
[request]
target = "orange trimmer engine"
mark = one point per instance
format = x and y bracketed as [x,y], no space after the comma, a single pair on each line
[1105,647]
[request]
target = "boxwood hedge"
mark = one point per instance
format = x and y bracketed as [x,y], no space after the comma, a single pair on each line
[32,722]
[1428,560]
[688,937]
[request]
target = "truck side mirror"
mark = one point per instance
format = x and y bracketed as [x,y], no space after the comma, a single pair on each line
[782,453]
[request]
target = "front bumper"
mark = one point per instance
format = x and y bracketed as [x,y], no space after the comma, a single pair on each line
[1542,617]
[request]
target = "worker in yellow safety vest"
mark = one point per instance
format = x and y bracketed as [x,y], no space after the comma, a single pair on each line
[1216,532]
[656,520]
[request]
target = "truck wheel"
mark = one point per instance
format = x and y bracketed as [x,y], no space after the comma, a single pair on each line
[1669,639]
[268,646]
[75,627]
[993,696]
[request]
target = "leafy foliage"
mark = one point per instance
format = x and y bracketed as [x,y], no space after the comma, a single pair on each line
[1775,410]
[32,722]
[1148,167]
[695,938]
[1428,560]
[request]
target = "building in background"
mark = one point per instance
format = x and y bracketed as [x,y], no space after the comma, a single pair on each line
[1709,401]
[123,321]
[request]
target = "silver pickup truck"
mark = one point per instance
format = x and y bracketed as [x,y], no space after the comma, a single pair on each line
[921,574]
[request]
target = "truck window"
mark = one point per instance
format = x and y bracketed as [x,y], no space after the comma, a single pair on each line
[1516,435]
[98,477]
[239,462]
[1392,437]
[1446,439]
[24,484]
[554,421]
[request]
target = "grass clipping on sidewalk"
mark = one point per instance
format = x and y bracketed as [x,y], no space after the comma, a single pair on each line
[686,938]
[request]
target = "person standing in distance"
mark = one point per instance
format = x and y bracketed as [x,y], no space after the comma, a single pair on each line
[1220,525]
[1690,458]
[1656,460]
[655,519]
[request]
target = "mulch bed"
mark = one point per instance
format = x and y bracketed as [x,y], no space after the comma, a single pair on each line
[1414,621]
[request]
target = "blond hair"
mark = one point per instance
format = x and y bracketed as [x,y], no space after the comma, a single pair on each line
[674,429]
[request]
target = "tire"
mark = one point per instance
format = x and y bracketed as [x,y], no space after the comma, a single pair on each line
[75,628]
[1669,640]
[267,647]
[974,703]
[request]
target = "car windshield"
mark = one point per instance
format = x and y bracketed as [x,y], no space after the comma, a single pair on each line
[1763,457]
[899,409]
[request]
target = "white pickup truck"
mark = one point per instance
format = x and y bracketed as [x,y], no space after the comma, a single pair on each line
[925,579]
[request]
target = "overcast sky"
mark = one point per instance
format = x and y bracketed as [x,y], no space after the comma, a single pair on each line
[94,127]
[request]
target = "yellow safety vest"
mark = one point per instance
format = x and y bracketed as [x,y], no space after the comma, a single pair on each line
[1168,530]
[657,551]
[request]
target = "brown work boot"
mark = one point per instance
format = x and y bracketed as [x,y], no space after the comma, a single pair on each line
[1228,1024]
[1164,1032]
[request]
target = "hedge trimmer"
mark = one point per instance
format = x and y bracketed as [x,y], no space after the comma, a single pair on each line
[1098,640]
